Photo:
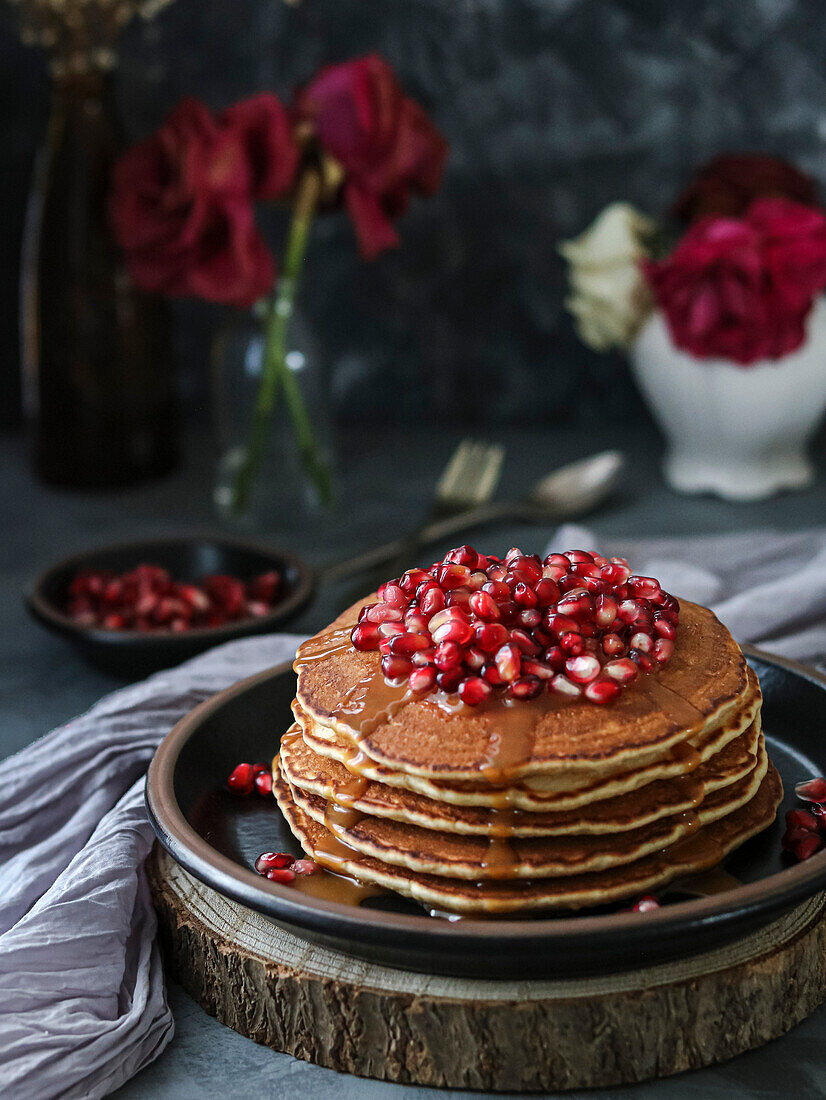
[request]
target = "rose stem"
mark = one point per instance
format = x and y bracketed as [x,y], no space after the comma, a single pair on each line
[276,372]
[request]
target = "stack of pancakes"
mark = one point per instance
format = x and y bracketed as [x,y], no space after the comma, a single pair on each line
[526,804]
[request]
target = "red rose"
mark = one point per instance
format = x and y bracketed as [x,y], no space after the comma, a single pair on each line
[741,289]
[181,203]
[794,248]
[263,126]
[384,141]
[727,185]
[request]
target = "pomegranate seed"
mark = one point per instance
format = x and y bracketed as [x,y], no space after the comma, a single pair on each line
[497,590]
[381,613]
[792,837]
[432,601]
[526,687]
[582,669]
[474,659]
[241,779]
[447,615]
[266,587]
[114,622]
[571,643]
[807,847]
[602,691]
[524,596]
[662,651]
[365,636]
[263,784]
[422,679]
[509,662]
[412,579]
[453,576]
[454,631]
[261,766]
[450,679]
[529,618]
[645,662]
[612,645]
[615,573]
[813,790]
[227,592]
[622,670]
[405,645]
[474,690]
[802,819]
[491,674]
[464,555]
[483,604]
[305,867]
[561,624]
[547,592]
[490,636]
[525,643]
[641,641]
[273,861]
[556,657]
[559,561]
[396,668]
[532,667]
[394,596]
[284,875]
[606,611]
[819,813]
[448,655]
[576,606]
[561,685]
[645,905]
[664,628]
[257,608]
[458,597]
[390,630]
[629,610]
[644,588]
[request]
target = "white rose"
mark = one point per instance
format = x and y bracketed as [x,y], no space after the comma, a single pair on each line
[609,297]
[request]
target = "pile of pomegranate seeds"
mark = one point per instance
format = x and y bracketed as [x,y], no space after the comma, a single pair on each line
[246,778]
[576,624]
[148,599]
[805,828]
[282,867]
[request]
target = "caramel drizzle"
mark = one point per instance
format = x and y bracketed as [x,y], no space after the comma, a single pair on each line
[373,700]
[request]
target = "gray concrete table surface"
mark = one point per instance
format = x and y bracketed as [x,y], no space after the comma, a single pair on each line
[386,483]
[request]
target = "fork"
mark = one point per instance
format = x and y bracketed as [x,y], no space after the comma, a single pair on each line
[469,480]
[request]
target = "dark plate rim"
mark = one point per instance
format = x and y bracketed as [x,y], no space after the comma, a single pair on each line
[187,847]
[45,611]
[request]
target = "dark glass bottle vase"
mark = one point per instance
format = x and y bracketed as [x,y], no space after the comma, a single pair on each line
[97,377]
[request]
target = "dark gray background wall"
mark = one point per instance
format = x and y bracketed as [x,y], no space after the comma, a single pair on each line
[552,107]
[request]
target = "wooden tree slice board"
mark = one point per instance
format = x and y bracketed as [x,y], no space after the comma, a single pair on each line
[375,1021]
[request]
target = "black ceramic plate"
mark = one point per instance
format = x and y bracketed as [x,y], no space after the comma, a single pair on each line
[217,836]
[133,653]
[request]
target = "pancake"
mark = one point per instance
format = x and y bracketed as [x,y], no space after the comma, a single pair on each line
[327,778]
[432,852]
[565,791]
[705,848]
[343,689]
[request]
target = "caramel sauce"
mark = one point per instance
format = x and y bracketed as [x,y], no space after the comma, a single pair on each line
[705,884]
[332,886]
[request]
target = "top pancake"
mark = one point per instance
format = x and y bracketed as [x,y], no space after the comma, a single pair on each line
[705,680]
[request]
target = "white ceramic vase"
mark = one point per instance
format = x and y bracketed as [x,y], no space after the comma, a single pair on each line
[739,432]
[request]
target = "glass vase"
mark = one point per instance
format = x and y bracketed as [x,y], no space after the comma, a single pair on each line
[97,379]
[283,494]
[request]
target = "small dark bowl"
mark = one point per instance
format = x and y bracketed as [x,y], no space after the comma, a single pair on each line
[135,653]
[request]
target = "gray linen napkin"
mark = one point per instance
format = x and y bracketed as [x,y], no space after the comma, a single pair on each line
[82,1001]
[82,1005]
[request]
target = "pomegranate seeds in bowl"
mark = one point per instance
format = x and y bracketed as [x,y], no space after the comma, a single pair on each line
[147,598]
[577,624]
